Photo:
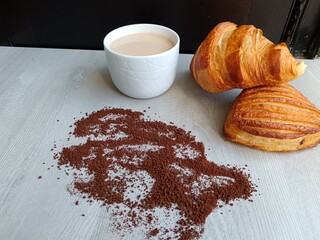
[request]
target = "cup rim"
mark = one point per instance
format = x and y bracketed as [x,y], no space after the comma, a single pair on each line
[112,32]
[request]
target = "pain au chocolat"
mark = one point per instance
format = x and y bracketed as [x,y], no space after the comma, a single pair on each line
[273,118]
[234,56]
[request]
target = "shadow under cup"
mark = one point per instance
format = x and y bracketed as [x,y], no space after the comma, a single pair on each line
[142,76]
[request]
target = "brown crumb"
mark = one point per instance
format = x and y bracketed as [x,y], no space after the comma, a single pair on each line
[135,154]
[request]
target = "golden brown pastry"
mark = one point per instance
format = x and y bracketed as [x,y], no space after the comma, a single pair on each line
[273,118]
[241,57]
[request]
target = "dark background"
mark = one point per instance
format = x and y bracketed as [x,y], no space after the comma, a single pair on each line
[83,24]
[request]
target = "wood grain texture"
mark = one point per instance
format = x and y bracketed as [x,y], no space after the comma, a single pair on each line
[40,86]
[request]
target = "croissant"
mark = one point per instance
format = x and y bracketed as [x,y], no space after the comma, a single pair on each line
[241,57]
[273,118]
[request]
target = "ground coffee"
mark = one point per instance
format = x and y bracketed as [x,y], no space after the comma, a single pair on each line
[150,175]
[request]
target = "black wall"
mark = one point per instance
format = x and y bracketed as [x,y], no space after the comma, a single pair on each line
[83,24]
[302,34]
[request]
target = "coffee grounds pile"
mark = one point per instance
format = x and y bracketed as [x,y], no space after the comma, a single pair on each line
[150,175]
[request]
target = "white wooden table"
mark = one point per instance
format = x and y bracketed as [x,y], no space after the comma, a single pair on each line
[40,86]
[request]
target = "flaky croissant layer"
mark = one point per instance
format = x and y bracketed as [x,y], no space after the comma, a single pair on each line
[273,118]
[234,56]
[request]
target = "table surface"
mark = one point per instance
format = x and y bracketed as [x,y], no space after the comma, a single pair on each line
[40,86]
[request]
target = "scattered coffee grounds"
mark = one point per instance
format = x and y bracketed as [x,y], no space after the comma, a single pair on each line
[149,174]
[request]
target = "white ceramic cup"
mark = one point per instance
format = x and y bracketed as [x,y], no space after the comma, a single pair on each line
[142,76]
